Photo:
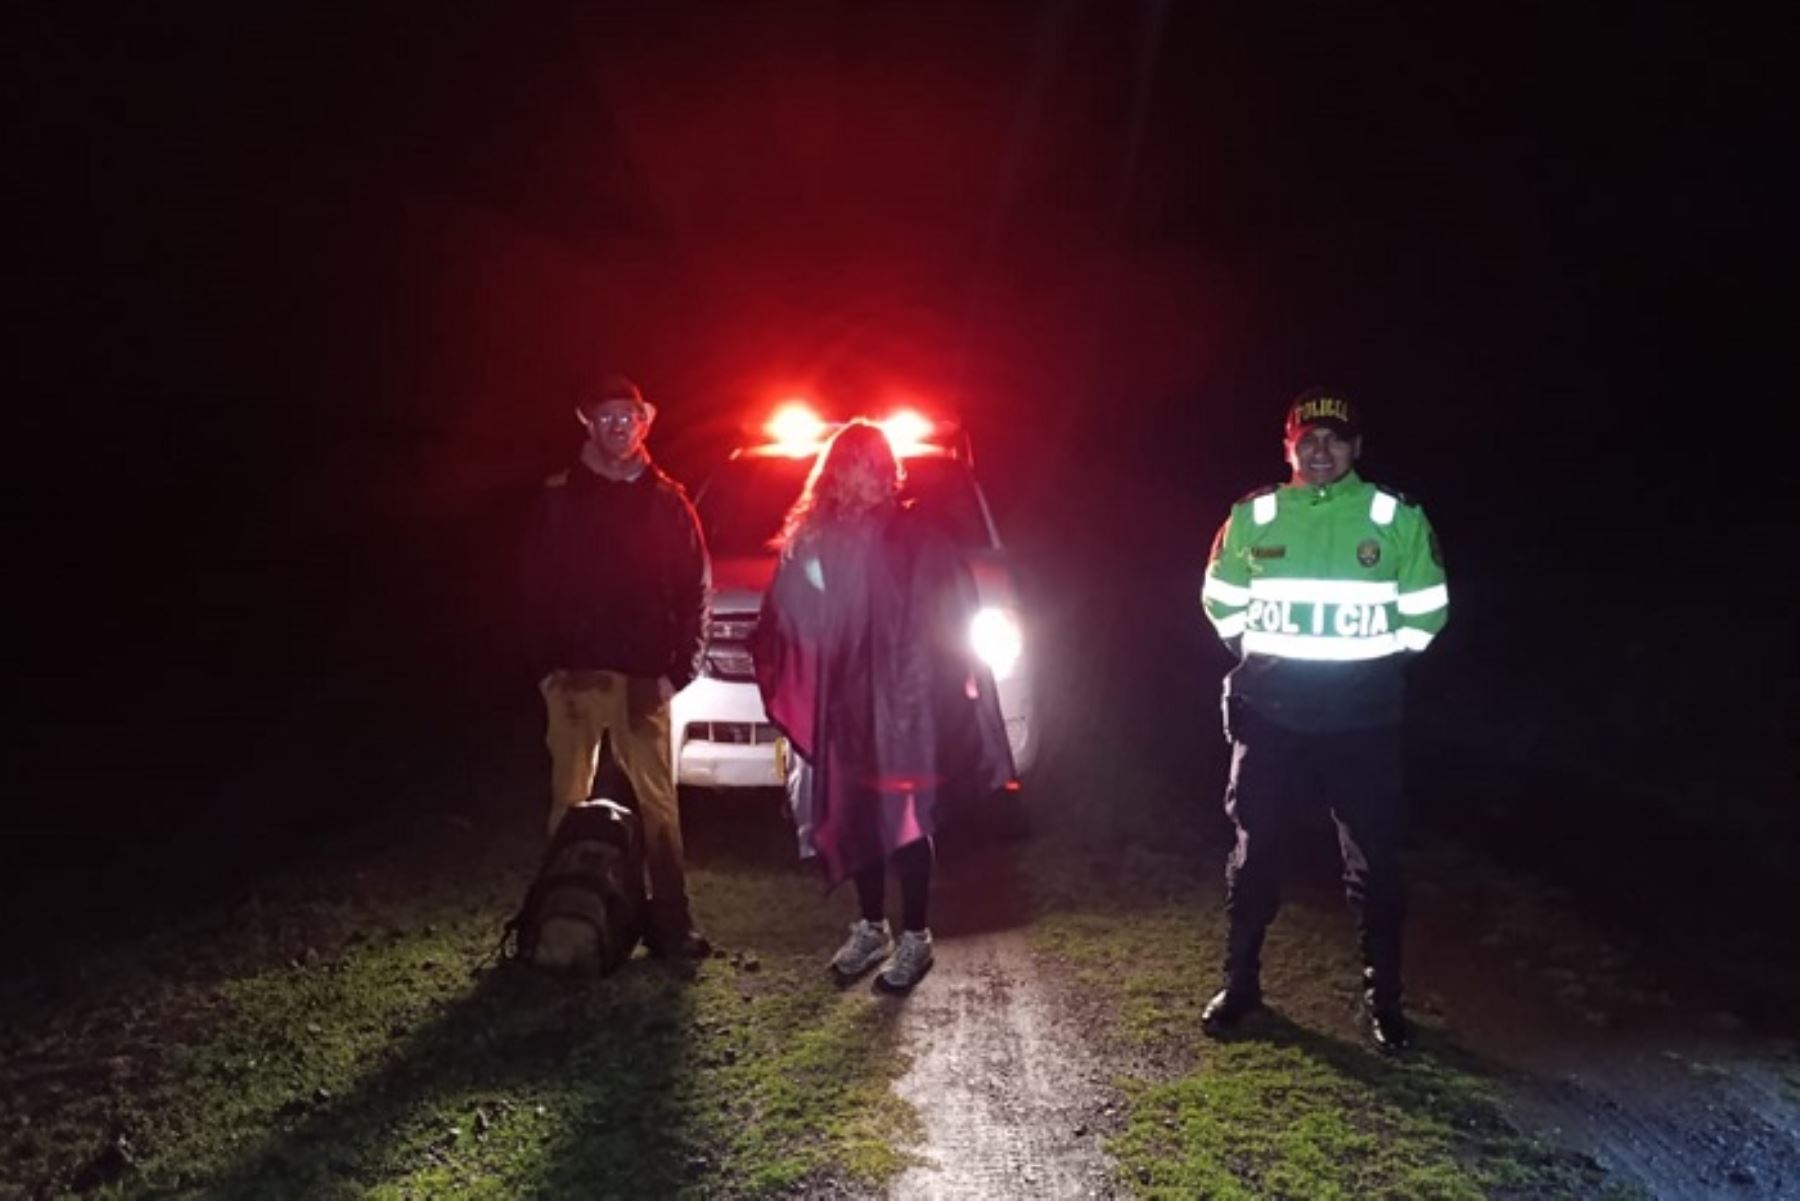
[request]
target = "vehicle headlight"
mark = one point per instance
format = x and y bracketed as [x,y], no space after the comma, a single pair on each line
[997,639]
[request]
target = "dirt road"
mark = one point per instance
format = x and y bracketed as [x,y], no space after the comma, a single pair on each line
[1013,1100]
[1603,1051]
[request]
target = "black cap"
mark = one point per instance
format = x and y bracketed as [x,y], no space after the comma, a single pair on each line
[1329,407]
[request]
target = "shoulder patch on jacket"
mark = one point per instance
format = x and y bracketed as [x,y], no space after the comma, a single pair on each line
[558,480]
[1398,495]
[1251,495]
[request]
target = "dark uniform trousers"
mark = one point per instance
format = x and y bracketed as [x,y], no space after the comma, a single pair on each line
[1275,772]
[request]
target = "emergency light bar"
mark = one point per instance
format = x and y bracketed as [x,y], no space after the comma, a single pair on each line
[797,431]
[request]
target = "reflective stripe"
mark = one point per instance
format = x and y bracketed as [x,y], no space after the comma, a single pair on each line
[1224,592]
[1329,592]
[1263,508]
[1383,508]
[1303,646]
[1425,600]
[1414,639]
[1230,627]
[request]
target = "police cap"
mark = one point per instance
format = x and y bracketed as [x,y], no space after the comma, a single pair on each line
[1329,407]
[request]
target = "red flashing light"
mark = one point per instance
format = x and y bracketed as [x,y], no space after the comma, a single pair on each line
[906,432]
[796,429]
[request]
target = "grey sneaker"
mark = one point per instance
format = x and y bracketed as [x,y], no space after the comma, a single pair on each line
[868,944]
[910,963]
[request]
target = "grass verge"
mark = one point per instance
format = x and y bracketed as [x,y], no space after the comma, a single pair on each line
[1295,1105]
[347,1035]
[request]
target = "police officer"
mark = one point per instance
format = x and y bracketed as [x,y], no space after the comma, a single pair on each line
[1324,588]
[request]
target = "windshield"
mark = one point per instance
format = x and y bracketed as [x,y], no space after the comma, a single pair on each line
[742,506]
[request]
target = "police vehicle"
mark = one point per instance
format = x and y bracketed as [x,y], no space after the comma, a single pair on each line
[720,736]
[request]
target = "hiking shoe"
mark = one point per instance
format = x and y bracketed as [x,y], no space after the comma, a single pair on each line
[911,961]
[868,944]
[1228,1007]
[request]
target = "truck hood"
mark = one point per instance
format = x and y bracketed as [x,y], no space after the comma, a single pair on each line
[739,582]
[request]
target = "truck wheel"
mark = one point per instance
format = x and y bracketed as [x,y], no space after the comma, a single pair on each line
[1007,816]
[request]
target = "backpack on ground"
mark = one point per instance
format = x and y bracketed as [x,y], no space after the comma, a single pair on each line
[585,911]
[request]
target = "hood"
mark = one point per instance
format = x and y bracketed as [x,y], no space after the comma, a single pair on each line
[739,583]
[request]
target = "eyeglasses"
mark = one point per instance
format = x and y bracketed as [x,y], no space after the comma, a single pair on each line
[617,417]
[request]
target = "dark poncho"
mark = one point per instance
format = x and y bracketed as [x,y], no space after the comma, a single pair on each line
[864,659]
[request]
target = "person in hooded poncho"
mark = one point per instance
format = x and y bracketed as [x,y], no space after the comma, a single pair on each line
[865,665]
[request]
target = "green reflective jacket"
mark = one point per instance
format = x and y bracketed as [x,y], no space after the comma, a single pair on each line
[1324,592]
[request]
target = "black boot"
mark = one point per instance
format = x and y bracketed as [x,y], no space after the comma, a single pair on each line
[1229,1006]
[1387,1024]
[1242,993]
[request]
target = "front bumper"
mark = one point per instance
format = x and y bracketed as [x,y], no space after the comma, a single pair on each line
[721,738]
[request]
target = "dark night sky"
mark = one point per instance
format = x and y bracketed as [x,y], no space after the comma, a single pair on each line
[304,299]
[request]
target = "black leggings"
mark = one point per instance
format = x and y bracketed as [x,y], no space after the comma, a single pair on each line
[912,863]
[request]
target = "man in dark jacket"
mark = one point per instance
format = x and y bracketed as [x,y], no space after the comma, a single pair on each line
[617,597]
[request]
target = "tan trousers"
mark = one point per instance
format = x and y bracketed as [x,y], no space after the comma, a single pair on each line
[582,706]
